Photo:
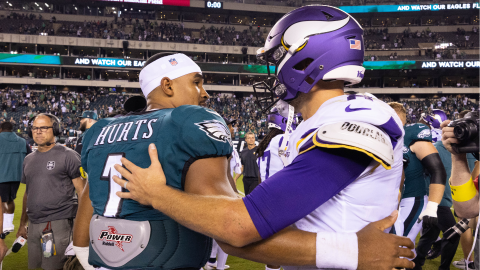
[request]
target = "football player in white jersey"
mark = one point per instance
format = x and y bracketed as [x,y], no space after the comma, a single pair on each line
[433,121]
[269,159]
[345,162]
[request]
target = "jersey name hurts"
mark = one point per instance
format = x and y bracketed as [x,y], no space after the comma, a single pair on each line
[120,132]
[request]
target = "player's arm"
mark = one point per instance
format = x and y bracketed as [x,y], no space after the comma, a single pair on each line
[3,246]
[82,221]
[428,155]
[320,172]
[81,228]
[271,207]
[224,217]
[466,206]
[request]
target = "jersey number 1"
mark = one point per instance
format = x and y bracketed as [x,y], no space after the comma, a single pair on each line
[114,203]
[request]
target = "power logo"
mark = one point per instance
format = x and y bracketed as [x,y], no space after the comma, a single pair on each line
[112,235]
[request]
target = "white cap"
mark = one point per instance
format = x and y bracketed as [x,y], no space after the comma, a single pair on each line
[171,66]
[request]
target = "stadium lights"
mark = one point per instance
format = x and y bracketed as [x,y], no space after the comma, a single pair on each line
[36,4]
[47,5]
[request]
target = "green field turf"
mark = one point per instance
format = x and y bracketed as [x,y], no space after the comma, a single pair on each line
[18,261]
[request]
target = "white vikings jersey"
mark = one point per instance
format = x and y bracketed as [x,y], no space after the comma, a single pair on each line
[235,163]
[362,123]
[270,163]
[436,135]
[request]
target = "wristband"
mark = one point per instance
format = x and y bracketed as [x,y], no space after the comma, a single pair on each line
[464,192]
[82,256]
[336,250]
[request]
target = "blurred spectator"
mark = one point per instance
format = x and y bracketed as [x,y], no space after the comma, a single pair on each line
[251,176]
[13,150]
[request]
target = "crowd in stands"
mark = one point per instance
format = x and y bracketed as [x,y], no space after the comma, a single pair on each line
[452,105]
[20,105]
[129,28]
[381,39]
[135,29]
[247,115]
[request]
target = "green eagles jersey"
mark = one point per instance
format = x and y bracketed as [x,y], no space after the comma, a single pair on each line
[414,173]
[181,135]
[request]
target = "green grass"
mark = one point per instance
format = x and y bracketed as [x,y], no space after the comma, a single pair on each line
[18,261]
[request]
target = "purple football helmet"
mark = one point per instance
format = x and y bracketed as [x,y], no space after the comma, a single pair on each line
[440,116]
[430,120]
[275,120]
[310,44]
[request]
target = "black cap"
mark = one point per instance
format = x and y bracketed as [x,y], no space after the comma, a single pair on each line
[135,104]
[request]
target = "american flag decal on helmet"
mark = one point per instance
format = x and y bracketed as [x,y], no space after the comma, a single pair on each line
[173,62]
[355,44]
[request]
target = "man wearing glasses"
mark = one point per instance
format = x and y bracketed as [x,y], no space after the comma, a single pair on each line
[52,177]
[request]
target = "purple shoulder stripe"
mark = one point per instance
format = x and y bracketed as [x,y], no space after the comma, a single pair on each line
[393,131]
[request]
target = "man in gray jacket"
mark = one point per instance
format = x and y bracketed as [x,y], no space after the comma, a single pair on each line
[13,150]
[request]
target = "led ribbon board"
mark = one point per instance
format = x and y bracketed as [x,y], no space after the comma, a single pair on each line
[409,8]
[30,59]
[220,68]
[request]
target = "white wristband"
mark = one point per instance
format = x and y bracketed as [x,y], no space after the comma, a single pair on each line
[336,250]
[82,256]
[430,210]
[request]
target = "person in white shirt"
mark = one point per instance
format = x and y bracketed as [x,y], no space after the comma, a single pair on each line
[270,148]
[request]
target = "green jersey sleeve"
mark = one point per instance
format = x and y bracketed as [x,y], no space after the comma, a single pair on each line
[203,133]
[417,132]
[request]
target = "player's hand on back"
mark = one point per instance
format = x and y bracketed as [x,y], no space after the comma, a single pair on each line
[143,184]
[378,250]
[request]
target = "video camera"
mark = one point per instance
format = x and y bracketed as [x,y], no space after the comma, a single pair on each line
[466,131]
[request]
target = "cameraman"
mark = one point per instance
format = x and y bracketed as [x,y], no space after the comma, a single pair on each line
[464,192]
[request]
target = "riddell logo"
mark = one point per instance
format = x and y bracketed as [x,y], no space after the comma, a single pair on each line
[113,236]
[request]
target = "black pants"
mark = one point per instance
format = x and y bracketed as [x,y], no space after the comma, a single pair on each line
[249,183]
[429,236]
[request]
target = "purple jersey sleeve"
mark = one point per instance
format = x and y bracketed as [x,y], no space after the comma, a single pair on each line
[313,178]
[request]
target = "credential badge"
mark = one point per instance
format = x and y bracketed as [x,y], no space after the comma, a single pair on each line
[50,165]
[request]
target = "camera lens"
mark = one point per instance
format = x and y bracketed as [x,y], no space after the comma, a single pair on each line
[465,131]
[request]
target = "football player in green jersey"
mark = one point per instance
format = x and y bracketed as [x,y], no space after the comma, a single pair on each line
[416,207]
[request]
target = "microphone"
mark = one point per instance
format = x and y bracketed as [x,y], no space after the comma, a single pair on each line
[19,243]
